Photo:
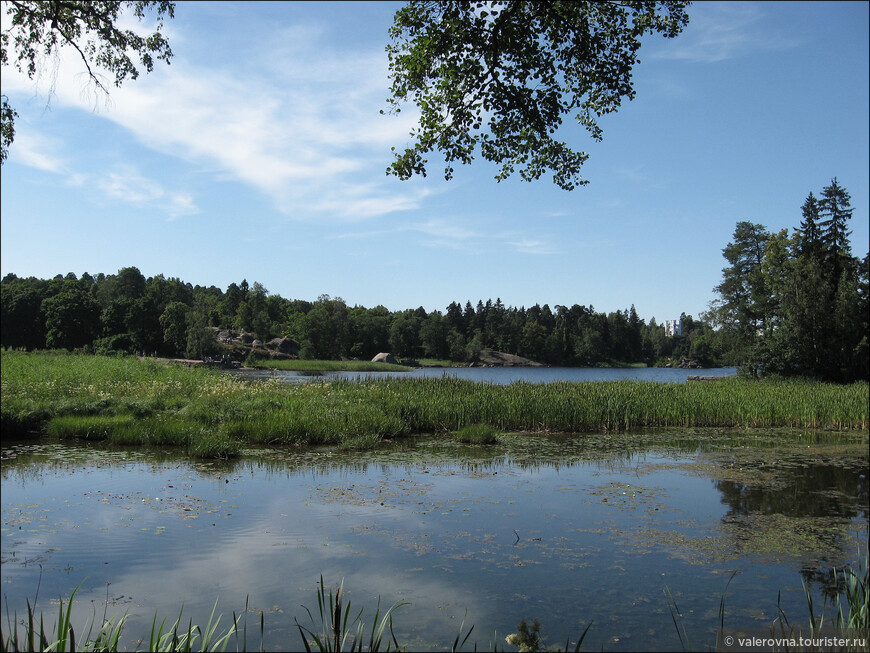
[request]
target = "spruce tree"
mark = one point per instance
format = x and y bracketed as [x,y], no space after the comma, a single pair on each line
[835,210]
[810,239]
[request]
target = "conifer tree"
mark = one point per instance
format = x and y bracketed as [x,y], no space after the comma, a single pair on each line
[835,210]
[810,243]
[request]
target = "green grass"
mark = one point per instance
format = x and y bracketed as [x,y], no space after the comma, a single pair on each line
[213,414]
[107,636]
[477,434]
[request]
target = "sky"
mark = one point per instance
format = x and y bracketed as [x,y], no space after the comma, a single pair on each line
[260,153]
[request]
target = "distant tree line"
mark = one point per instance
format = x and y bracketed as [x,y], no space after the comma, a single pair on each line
[125,312]
[797,304]
[790,304]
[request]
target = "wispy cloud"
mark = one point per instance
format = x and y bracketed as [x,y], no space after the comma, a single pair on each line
[125,184]
[443,230]
[181,204]
[531,246]
[129,186]
[298,124]
[723,30]
[36,151]
[444,233]
[361,201]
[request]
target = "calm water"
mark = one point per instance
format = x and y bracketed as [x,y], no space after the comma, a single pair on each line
[507,375]
[567,530]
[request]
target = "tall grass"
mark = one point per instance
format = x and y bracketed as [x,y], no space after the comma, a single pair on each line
[850,619]
[337,628]
[851,606]
[477,434]
[212,414]
[107,636]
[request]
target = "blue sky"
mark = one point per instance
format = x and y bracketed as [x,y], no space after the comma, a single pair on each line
[260,154]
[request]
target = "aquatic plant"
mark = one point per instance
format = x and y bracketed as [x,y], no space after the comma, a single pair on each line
[336,629]
[212,414]
[477,434]
[854,621]
[107,637]
[853,613]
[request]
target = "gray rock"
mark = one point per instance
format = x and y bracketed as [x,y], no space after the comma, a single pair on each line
[284,345]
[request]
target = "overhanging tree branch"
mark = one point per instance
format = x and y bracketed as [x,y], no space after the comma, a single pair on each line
[39,29]
[498,77]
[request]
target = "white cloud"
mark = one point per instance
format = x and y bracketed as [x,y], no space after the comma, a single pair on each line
[181,204]
[441,232]
[356,204]
[301,126]
[531,246]
[718,31]
[127,185]
[36,151]
[447,232]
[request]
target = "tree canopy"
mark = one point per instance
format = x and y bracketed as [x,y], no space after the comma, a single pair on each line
[518,68]
[798,305]
[125,312]
[40,29]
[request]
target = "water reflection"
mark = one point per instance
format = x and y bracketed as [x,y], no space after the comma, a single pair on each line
[503,375]
[801,489]
[566,529]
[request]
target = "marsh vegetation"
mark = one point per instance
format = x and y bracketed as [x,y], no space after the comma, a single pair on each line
[129,401]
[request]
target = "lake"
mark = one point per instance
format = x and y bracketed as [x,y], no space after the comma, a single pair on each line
[507,375]
[565,529]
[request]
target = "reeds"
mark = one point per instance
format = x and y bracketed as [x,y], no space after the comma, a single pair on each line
[850,621]
[337,628]
[211,414]
[477,434]
[107,637]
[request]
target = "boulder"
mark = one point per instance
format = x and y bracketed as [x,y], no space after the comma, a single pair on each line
[284,345]
[385,358]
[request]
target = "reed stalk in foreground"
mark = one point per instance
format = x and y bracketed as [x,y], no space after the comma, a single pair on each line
[337,629]
[850,619]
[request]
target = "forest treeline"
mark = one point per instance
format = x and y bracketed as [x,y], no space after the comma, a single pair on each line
[798,304]
[128,312]
[793,304]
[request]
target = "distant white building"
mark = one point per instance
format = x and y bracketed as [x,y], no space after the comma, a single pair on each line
[673,327]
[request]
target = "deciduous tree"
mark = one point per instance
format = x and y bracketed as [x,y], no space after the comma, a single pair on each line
[72,318]
[39,29]
[496,79]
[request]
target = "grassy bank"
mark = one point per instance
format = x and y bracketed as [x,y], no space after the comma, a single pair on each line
[143,402]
